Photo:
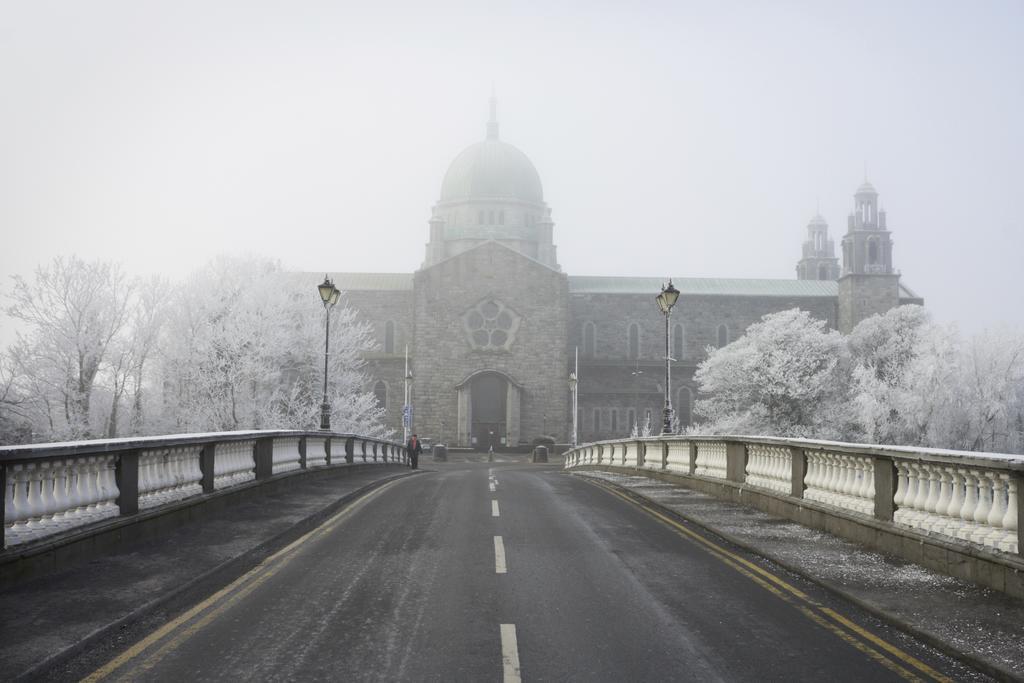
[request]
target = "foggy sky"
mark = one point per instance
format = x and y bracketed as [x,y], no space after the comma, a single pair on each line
[687,139]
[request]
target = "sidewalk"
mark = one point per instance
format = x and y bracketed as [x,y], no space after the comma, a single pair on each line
[48,619]
[980,625]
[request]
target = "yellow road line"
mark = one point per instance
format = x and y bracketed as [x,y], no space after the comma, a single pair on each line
[230,595]
[779,587]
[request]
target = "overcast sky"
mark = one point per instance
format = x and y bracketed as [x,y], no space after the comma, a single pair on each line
[693,139]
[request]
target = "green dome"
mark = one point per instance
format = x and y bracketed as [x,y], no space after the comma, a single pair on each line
[492,169]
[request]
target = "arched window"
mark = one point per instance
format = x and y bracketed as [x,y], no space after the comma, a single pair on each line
[822,272]
[389,337]
[380,391]
[615,421]
[723,336]
[631,420]
[684,406]
[633,343]
[597,421]
[589,334]
[678,342]
[872,252]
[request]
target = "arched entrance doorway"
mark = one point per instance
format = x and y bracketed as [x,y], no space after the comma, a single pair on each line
[489,411]
[488,393]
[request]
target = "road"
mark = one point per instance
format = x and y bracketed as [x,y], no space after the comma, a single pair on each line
[504,571]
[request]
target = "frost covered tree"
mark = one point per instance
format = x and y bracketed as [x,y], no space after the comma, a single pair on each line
[787,375]
[988,396]
[243,349]
[898,379]
[889,355]
[73,312]
[918,383]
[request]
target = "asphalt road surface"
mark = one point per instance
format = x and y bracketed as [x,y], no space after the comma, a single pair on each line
[500,571]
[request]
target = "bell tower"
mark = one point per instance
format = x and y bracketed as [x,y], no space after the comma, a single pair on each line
[819,260]
[869,285]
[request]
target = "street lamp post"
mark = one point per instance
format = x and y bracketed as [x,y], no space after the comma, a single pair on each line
[329,295]
[666,300]
[572,388]
[406,407]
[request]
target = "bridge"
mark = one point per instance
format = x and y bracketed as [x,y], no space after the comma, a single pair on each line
[317,555]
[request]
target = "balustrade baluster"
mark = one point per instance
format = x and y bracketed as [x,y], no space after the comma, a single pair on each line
[953,522]
[47,502]
[921,484]
[901,491]
[59,492]
[938,498]
[832,475]
[979,532]
[867,493]
[998,511]
[811,476]
[1009,541]
[970,505]
[15,509]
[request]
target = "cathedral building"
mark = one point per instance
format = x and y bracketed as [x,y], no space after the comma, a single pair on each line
[493,326]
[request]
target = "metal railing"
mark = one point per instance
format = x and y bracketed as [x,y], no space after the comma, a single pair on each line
[57,487]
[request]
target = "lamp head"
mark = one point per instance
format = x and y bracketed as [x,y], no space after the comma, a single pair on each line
[326,289]
[668,297]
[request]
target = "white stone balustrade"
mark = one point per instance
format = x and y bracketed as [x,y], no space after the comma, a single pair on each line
[47,497]
[769,467]
[169,474]
[652,455]
[711,459]
[233,464]
[52,488]
[629,454]
[286,456]
[970,504]
[841,480]
[973,498]
[316,452]
[678,457]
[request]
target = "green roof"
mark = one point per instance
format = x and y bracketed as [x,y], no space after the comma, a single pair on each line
[707,286]
[352,282]
[597,284]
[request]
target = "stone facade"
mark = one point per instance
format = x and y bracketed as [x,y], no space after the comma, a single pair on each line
[494,327]
[447,360]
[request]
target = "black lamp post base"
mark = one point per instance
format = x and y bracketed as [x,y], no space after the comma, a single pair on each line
[666,428]
[325,416]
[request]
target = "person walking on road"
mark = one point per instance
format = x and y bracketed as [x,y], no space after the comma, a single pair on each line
[414,448]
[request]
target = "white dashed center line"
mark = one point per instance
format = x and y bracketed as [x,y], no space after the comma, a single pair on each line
[494,509]
[510,654]
[499,556]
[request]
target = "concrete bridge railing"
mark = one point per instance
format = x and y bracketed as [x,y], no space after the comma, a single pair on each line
[957,502]
[53,488]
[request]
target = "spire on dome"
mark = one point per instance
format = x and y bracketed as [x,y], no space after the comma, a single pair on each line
[492,123]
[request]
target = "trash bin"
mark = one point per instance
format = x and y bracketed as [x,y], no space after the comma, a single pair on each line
[540,454]
[440,453]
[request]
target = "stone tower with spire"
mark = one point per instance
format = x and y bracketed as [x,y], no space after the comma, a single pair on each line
[819,260]
[868,285]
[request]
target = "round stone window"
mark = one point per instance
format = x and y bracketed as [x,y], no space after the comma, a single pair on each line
[491,326]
